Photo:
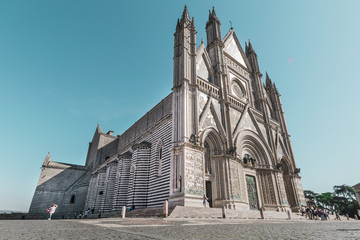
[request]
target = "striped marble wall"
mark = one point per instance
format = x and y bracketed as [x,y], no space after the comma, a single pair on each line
[139,175]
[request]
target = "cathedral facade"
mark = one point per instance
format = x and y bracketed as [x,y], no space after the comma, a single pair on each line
[221,132]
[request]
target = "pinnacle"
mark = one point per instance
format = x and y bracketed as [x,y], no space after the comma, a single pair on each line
[185,15]
[268,81]
[267,76]
[250,48]
[213,12]
[212,15]
[178,25]
[98,128]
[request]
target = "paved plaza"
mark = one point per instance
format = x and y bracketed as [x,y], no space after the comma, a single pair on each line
[130,228]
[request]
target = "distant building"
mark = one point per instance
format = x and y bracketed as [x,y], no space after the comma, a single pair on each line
[220,132]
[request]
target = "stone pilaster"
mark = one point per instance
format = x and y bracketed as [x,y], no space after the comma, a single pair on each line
[122,181]
[139,174]
[110,185]
[100,189]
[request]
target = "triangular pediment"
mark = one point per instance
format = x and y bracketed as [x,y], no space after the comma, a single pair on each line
[210,117]
[281,151]
[234,49]
[248,123]
[280,147]
[203,69]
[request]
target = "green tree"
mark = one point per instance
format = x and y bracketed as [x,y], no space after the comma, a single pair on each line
[311,196]
[345,191]
[345,201]
[326,200]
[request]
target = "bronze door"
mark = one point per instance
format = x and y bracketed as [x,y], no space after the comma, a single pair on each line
[252,192]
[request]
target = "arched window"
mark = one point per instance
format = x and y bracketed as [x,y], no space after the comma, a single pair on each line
[207,158]
[72,199]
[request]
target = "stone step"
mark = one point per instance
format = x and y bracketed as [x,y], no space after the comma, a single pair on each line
[198,212]
[144,213]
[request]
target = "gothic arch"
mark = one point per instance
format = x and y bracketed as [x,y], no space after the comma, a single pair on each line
[248,142]
[214,139]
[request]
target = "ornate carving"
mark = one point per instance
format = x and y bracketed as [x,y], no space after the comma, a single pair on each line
[236,67]
[267,188]
[235,181]
[194,139]
[232,151]
[194,173]
[249,161]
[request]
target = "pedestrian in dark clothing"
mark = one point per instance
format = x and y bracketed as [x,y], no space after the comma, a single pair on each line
[337,215]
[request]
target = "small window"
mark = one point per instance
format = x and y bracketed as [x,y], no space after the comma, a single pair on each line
[101,192]
[106,158]
[72,199]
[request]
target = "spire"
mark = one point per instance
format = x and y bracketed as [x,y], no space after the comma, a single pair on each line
[98,129]
[250,49]
[276,90]
[192,23]
[178,25]
[213,28]
[212,16]
[213,12]
[185,16]
[268,81]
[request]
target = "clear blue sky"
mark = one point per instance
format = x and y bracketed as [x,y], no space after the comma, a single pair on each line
[66,66]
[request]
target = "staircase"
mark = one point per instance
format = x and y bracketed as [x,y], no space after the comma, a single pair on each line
[196,212]
[144,213]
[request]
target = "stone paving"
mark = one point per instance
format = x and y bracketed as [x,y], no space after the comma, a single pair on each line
[141,228]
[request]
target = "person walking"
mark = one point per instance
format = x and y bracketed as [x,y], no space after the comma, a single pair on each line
[308,212]
[337,215]
[302,210]
[205,200]
[52,210]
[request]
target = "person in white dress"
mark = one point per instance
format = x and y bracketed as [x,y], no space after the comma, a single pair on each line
[52,210]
